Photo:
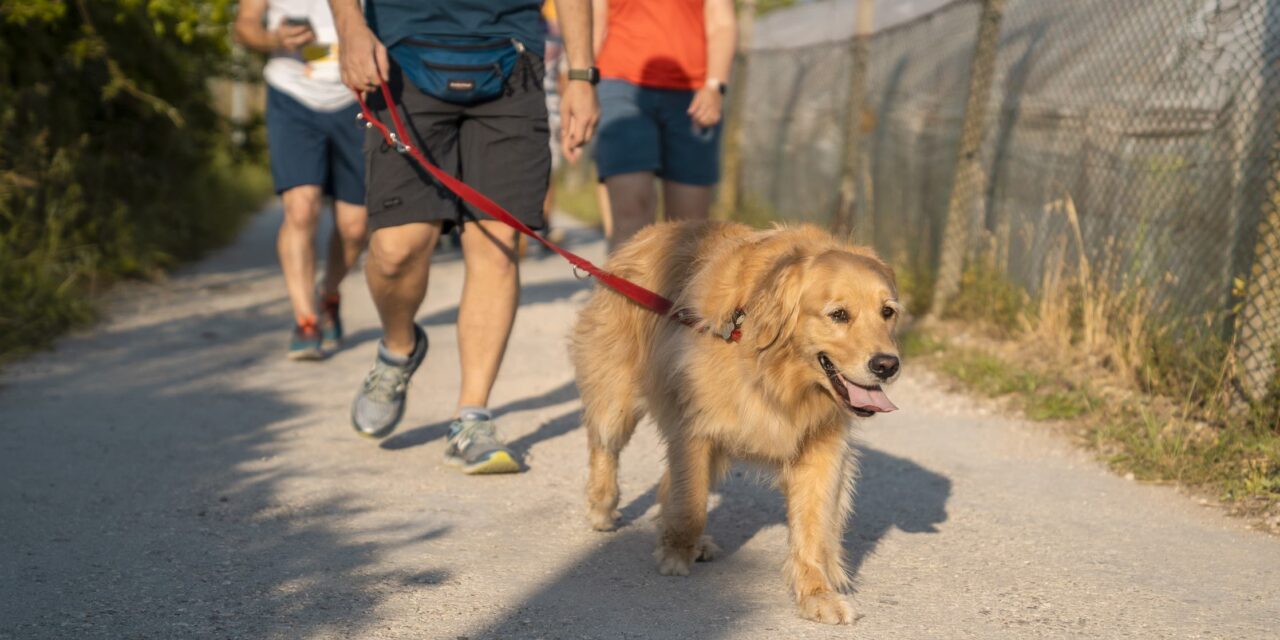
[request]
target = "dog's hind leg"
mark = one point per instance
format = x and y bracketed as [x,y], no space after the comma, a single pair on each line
[816,484]
[610,416]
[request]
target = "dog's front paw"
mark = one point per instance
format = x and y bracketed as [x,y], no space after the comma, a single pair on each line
[603,520]
[674,561]
[707,549]
[826,607]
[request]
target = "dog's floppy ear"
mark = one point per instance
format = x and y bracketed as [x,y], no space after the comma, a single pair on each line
[774,307]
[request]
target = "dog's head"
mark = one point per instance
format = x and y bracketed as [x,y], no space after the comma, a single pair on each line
[837,311]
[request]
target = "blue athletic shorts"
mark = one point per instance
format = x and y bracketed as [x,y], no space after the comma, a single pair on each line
[315,147]
[646,129]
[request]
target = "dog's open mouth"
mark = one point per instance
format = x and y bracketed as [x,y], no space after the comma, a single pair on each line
[862,401]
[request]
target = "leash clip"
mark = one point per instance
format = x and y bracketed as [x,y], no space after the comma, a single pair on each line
[732,332]
[400,146]
[580,274]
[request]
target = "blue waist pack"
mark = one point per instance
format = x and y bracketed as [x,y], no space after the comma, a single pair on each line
[458,70]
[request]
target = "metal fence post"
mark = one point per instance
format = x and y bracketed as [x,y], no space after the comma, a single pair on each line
[1257,340]
[966,185]
[731,159]
[851,164]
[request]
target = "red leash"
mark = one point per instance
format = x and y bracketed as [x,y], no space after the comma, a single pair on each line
[399,141]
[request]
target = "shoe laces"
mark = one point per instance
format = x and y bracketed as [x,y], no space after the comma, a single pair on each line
[385,382]
[307,327]
[471,431]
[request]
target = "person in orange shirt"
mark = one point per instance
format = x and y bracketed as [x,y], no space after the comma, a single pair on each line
[664,68]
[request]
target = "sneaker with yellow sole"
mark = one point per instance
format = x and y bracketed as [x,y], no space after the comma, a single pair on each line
[475,448]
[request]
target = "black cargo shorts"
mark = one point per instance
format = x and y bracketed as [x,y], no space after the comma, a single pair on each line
[498,147]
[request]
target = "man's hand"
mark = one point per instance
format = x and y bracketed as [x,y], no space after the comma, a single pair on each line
[705,108]
[292,37]
[361,57]
[579,113]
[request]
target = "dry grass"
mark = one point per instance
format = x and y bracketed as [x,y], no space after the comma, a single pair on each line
[1150,395]
[1236,461]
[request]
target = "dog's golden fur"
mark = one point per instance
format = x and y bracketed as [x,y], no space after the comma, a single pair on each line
[764,398]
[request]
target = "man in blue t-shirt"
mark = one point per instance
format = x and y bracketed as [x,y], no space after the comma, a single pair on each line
[497,142]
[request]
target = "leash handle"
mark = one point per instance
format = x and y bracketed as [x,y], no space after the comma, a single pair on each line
[400,142]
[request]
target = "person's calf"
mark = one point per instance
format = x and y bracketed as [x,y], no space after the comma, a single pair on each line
[346,243]
[296,249]
[634,201]
[397,270]
[487,310]
[685,201]
[351,223]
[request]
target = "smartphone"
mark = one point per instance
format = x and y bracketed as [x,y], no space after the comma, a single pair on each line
[294,21]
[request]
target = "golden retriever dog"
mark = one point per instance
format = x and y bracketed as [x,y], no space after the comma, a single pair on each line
[787,334]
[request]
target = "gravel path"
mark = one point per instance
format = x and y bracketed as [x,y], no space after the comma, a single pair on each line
[170,475]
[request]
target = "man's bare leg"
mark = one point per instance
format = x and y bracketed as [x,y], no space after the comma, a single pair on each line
[350,231]
[345,243]
[685,201]
[295,245]
[633,202]
[490,295]
[606,210]
[397,268]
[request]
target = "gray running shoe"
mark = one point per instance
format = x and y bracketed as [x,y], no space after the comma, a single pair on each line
[380,403]
[474,446]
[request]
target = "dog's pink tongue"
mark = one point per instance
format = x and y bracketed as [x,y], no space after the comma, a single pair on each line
[869,399]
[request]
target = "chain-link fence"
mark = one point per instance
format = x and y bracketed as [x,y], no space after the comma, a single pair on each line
[1133,138]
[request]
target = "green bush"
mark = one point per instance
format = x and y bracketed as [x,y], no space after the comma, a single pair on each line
[113,162]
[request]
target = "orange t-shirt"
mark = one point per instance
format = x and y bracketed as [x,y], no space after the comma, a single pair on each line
[656,43]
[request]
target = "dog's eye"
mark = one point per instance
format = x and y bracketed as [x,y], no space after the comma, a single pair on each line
[839,315]
[887,312]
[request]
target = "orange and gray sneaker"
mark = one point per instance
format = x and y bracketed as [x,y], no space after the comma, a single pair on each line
[330,322]
[305,342]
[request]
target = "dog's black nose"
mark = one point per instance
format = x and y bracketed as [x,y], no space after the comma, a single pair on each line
[883,365]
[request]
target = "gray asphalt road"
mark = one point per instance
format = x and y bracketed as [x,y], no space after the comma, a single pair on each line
[169,475]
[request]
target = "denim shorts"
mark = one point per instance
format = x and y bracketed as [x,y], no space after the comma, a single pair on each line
[643,129]
[315,148]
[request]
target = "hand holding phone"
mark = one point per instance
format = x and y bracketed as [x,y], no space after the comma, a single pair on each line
[295,33]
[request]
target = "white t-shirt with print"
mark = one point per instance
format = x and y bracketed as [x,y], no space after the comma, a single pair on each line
[311,74]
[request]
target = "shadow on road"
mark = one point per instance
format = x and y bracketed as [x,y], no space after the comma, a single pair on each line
[564,393]
[141,493]
[617,589]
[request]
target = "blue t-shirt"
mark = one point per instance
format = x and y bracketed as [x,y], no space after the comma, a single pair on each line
[395,20]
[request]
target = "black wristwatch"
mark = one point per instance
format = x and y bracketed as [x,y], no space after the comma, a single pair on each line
[590,74]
